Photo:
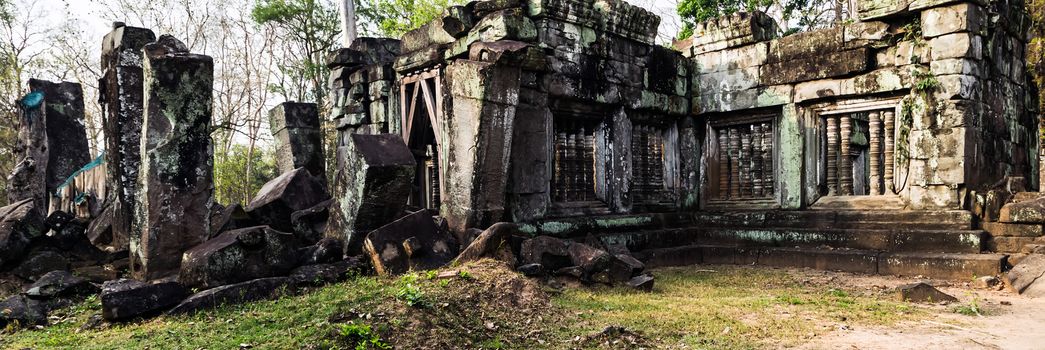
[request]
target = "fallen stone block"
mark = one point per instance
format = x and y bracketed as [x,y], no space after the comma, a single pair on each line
[60,284]
[623,267]
[19,311]
[103,235]
[922,292]
[1027,277]
[413,242]
[237,256]
[126,299]
[376,182]
[259,289]
[230,218]
[277,201]
[591,260]
[40,263]
[310,224]
[491,243]
[97,273]
[327,250]
[1024,212]
[642,282]
[322,274]
[550,252]
[19,224]
[531,270]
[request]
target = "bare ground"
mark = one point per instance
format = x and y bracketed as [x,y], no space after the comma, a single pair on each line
[1005,320]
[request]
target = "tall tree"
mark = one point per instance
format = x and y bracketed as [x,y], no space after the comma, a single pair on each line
[392,18]
[22,53]
[792,16]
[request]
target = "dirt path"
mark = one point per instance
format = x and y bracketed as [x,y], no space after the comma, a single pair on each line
[1008,321]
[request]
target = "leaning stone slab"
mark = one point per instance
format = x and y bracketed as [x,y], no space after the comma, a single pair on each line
[493,243]
[277,201]
[126,299]
[175,183]
[237,256]
[60,284]
[413,242]
[1028,276]
[19,222]
[259,289]
[377,181]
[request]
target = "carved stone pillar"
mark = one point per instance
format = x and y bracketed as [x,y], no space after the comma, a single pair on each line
[734,155]
[845,173]
[723,165]
[832,155]
[875,129]
[890,122]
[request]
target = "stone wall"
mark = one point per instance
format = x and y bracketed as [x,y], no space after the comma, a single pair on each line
[524,110]
[945,70]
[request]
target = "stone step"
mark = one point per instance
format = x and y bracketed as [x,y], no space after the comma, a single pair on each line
[931,265]
[956,241]
[581,226]
[841,219]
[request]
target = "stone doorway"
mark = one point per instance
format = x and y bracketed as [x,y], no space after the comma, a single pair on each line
[421,99]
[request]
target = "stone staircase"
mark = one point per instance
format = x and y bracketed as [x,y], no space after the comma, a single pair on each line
[936,244]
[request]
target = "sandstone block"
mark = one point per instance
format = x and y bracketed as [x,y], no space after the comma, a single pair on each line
[175,185]
[237,256]
[277,201]
[377,179]
[126,299]
[413,242]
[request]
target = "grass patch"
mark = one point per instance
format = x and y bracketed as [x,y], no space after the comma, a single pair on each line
[488,307]
[733,308]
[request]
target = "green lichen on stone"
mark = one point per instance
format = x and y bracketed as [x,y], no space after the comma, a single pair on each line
[556,227]
[630,221]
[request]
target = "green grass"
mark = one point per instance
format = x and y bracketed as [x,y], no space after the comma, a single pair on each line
[734,308]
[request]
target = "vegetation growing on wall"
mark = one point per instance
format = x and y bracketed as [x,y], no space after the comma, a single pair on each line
[792,16]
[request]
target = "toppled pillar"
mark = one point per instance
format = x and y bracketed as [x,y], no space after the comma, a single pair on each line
[377,179]
[52,142]
[121,97]
[299,139]
[175,185]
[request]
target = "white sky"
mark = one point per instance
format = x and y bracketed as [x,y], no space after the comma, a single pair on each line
[89,12]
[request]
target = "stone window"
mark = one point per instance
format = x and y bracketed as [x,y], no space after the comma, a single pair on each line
[857,152]
[654,164]
[574,167]
[421,102]
[741,158]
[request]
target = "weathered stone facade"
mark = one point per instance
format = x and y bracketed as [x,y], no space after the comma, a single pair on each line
[928,93]
[566,117]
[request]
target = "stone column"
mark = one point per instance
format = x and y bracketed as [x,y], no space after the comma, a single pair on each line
[299,139]
[52,142]
[175,183]
[120,95]
[480,120]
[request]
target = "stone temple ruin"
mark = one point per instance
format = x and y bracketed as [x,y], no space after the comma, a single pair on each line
[558,136]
